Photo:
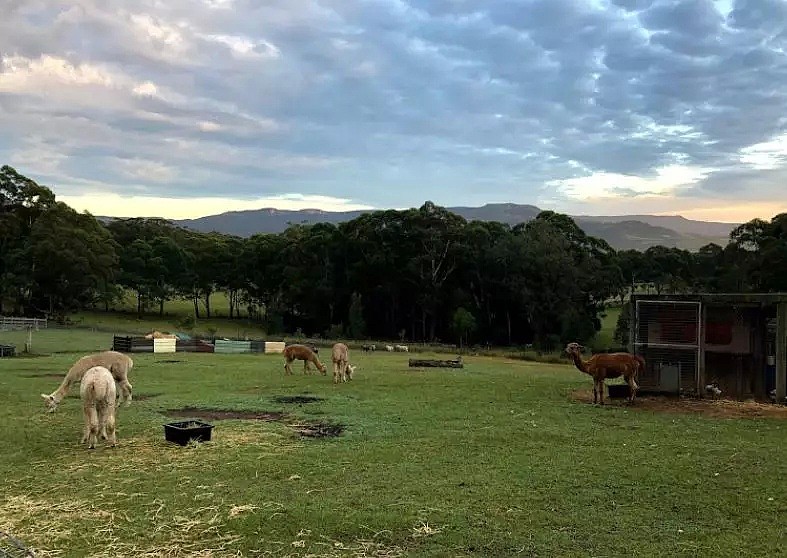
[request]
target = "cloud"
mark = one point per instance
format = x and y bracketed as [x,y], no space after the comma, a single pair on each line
[648,105]
[604,185]
[116,205]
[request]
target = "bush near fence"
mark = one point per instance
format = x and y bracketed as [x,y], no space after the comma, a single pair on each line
[138,344]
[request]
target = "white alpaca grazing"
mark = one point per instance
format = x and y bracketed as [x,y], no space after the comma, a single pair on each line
[98,393]
[117,363]
[349,372]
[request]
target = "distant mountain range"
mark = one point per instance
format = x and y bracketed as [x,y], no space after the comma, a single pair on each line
[621,231]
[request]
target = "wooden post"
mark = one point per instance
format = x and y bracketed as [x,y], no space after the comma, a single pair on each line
[701,376]
[781,351]
[632,325]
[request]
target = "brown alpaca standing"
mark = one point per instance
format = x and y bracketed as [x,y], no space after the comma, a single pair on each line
[304,353]
[607,365]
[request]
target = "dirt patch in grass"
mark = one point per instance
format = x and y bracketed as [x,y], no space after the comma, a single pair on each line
[308,429]
[318,429]
[144,396]
[167,361]
[51,375]
[716,408]
[297,399]
[216,414]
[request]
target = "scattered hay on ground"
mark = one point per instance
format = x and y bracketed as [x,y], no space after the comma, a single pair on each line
[46,524]
[237,510]
[716,408]
[50,528]
[331,548]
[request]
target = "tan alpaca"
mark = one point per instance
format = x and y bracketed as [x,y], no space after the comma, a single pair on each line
[117,363]
[155,334]
[98,393]
[342,369]
[607,365]
[304,353]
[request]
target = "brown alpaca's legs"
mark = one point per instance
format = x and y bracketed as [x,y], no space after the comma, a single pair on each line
[336,372]
[632,387]
[125,392]
[287,367]
[600,390]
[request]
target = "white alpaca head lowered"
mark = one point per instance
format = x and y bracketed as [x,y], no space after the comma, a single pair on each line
[350,371]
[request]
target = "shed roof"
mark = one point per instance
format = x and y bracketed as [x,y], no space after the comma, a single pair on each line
[761,298]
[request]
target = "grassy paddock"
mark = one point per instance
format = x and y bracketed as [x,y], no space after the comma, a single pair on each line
[497,459]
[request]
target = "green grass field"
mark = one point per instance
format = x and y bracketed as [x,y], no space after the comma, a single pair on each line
[497,459]
[219,305]
[609,319]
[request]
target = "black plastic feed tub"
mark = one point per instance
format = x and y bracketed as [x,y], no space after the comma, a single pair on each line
[619,391]
[181,432]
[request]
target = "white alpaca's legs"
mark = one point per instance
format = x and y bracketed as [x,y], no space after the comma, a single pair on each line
[91,426]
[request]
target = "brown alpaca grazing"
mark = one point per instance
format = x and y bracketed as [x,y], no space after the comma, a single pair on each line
[118,363]
[607,365]
[304,353]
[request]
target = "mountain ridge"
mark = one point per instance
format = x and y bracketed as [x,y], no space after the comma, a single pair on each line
[620,231]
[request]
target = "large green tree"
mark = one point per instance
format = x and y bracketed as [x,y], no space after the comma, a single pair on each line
[72,257]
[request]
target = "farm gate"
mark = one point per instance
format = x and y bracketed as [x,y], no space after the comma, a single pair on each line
[667,335]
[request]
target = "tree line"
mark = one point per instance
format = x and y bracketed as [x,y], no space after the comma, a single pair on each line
[419,274]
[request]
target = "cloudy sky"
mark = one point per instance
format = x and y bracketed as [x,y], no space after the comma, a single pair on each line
[181,108]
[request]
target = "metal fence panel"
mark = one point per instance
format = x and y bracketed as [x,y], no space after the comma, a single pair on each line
[667,335]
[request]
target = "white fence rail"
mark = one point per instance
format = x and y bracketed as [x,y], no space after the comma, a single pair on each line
[10,323]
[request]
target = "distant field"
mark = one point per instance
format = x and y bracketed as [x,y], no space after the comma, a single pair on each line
[219,306]
[604,338]
[497,459]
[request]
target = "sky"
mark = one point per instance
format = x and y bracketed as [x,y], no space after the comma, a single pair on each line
[184,108]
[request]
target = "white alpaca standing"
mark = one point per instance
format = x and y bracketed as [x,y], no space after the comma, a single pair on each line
[117,363]
[98,393]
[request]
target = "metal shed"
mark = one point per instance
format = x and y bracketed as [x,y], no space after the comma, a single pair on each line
[736,341]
